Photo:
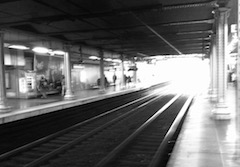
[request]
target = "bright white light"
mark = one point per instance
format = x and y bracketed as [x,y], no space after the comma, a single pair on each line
[20,47]
[191,75]
[231,133]
[40,50]
[83,77]
[94,58]
[117,60]
[58,52]
[108,59]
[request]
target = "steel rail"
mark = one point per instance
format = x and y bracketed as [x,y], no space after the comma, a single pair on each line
[81,138]
[68,145]
[39,141]
[123,145]
[159,155]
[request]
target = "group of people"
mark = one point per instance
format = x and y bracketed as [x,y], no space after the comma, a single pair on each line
[106,83]
[43,86]
[127,80]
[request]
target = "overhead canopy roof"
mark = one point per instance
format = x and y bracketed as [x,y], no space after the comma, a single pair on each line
[132,27]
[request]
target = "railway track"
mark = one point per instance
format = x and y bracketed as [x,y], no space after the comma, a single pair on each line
[43,150]
[22,132]
[148,144]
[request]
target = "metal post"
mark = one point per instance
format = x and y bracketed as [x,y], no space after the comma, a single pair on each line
[3,106]
[135,73]
[67,66]
[123,76]
[102,76]
[214,70]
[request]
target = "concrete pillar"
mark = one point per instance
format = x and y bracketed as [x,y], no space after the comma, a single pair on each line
[102,76]
[238,90]
[122,69]
[211,68]
[135,74]
[67,67]
[213,65]
[221,110]
[3,106]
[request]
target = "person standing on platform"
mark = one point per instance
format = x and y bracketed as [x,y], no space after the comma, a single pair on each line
[63,85]
[114,79]
[42,87]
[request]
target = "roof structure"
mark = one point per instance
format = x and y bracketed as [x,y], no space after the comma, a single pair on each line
[139,28]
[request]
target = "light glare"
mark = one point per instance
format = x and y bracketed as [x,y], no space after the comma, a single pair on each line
[40,50]
[20,47]
[58,52]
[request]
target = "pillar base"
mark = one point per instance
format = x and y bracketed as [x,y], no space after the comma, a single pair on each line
[69,97]
[213,95]
[102,91]
[5,109]
[221,112]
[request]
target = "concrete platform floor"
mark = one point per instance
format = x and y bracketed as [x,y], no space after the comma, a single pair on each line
[25,108]
[20,104]
[205,141]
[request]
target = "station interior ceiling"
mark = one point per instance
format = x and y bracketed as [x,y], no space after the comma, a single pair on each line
[136,28]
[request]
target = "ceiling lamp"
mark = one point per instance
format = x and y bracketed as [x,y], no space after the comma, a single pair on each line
[108,59]
[94,58]
[20,47]
[40,50]
[58,52]
[116,60]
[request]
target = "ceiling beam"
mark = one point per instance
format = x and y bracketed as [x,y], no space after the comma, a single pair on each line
[182,23]
[195,32]
[121,11]
[7,1]
[151,41]
[191,5]
[73,17]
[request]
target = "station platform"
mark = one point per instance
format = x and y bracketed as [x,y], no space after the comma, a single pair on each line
[25,108]
[202,142]
[206,142]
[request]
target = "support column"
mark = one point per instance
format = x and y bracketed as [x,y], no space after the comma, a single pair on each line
[135,74]
[102,76]
[213,70]
[3,106]
[221,111]
[67,66]
[238,91]
[123,76]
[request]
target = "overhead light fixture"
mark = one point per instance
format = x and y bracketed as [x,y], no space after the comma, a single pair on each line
[116,60]
[40,50]
[20,47]
[108,59]
[94,58]
[58,52]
